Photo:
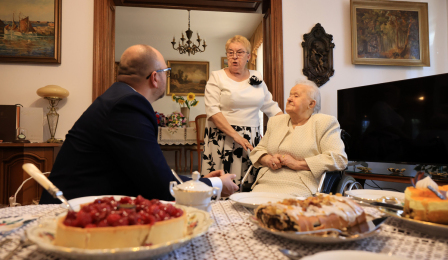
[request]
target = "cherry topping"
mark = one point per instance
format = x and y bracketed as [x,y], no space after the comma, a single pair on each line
[106,212]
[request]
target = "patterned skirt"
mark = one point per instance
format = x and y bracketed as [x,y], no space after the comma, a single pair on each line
[221,152]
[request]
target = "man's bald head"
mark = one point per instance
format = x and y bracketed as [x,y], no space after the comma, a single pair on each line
[137,62]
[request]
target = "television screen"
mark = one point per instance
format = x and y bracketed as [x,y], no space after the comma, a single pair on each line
[398,122]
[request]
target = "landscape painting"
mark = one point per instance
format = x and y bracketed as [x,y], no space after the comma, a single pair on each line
[30,31]
[187,76]
[390,33]
[224,62]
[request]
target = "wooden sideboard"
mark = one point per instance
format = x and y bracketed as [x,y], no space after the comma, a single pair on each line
[12,157]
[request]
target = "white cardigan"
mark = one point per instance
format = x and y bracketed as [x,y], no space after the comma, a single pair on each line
[238,101]
[318,142]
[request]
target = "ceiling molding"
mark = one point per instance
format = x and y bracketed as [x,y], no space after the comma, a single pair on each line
[241,6]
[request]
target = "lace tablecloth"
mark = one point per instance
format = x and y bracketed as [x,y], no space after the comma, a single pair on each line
[177,136]
[233,236]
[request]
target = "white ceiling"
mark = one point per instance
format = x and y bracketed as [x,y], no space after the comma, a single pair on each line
[132,21]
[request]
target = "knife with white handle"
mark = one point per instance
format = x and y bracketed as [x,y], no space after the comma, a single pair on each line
[34,172]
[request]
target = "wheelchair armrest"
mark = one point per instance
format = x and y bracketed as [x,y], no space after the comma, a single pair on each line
[330,181]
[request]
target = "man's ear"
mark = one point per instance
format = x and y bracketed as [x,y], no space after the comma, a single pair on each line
[312,103]
[153,80]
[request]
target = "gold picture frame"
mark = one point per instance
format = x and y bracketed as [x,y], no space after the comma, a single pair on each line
[186,77]
[391,33]
[33,36]
[224,62]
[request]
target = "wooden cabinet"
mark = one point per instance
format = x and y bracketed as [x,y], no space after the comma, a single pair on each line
[12,157]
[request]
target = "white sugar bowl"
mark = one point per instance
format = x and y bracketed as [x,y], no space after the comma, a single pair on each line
[194,193]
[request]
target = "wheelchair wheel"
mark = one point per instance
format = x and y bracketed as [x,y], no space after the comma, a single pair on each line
[347,183]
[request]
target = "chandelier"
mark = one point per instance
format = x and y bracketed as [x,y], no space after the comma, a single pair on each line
[188,47]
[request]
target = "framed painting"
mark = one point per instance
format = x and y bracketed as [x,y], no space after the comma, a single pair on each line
[187,76]
[30,31]
[224,62]
[389,33]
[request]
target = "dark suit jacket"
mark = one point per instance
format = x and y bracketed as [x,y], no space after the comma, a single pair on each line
[112,150]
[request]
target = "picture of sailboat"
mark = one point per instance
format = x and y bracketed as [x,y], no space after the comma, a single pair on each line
[30,31]
[25,26]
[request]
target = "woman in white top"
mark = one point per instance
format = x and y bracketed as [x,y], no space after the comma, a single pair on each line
[299,147]
[233,98]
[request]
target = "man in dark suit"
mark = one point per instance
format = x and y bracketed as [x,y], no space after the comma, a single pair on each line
[112,149]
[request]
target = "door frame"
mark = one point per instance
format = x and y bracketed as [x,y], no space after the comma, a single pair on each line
[104,48]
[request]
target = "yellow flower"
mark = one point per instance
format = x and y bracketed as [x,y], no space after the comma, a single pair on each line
[181,101]
[173,97]
[190,96]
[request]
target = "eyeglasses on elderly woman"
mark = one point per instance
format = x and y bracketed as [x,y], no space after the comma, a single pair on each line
[168,72]
[238,53]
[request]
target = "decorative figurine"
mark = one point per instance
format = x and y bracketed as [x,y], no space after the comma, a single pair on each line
[364,169]
[396,171]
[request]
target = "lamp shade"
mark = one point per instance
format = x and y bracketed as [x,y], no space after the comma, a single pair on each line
[53,91]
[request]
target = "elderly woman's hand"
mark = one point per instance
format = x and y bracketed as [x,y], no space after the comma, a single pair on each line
[288,161]
[271,161]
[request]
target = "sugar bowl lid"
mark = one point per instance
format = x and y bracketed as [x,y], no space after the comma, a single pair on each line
[194,184]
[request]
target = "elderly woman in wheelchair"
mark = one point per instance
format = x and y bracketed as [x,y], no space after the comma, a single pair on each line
[299,146]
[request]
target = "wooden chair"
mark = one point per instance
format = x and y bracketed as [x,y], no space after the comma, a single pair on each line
[189,148]
[176,149]
[199,147]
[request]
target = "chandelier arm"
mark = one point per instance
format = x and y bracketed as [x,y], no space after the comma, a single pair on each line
[188,46]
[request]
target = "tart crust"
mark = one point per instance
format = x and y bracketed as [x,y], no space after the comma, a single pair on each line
[121,236]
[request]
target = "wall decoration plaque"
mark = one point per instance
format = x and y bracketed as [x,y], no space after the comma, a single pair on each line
[318,55]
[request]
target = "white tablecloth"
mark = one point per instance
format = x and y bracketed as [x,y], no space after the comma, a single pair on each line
[232,236]
[177,136]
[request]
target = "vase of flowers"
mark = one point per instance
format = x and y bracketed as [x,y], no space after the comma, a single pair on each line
[186,112]
[176,119]
[161,119]
[185,104]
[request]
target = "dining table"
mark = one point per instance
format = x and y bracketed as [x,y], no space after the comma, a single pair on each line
[233,236]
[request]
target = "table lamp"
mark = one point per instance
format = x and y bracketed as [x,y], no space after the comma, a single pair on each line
[53,94]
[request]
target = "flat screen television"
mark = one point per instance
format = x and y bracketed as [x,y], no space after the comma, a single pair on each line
[403,121]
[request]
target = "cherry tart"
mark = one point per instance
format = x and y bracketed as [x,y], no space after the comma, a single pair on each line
[107,223]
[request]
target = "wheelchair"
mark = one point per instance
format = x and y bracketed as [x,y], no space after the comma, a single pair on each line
[330,182]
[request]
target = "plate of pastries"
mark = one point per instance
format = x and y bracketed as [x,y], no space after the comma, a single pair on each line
[314,219]
[120,227]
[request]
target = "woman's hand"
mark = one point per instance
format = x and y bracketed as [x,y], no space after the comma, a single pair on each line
[242,141]
[221,122]
[271,161]
[288,161]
